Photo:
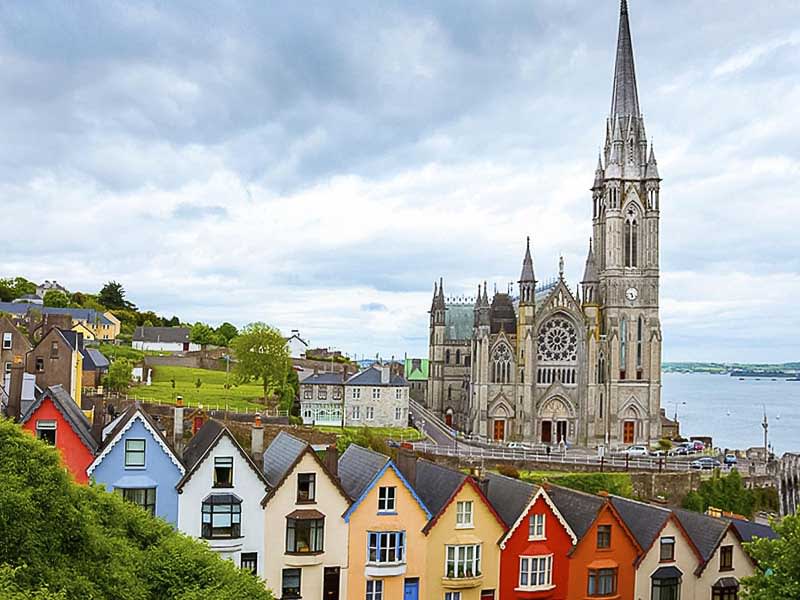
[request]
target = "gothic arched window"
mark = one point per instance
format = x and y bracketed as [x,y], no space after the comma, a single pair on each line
[623,347]
[458,357]
[501,364]
[601,368]
[447,357]
[630,240]
[639,346]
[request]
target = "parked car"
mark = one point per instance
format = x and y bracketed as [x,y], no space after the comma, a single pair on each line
[730,459]
[698,446]
[679,451]
[705,462]
[657,453]
[636,451]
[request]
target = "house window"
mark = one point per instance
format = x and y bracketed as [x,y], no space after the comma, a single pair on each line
[386,547]
[726,558]
[536,527]
[8,367]
[666,589]
[376,393]
[602,582]
[308,393]
[667,549]
[356,413]
[452,596]
[250,562]
[604,536]
[46,431]
[304,535]
[535,572]
[54,350]
[337,393]
[375,589]
[222,516]
[398,394]
[306,484]
[463,561]
[144,497]
[387,497]
[7,340]
[223,471]
[39,364]
[730,593]
[134,453]
[370,413]
[322,393]
[356,393]
[464,514]
[290,583]
[398,413]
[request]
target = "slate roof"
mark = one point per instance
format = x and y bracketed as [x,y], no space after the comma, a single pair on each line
[79,314]
[748,530]
[70,411]
[280,455]
[167,335]
[503,316]
[201,442]
[436,484]
[578,508]
[93,359]
[645,521]
[334,378]
[509,496]
[372,377]
[74,338]
[706,532]
[459,320]
[357,468]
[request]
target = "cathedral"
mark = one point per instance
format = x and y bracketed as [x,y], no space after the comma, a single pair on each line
[544,363]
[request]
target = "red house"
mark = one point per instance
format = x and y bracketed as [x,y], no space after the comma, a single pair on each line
[56,418]
[534,557]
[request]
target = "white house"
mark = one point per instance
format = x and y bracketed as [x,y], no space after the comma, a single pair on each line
[296,345]
[219,498]
[163,339]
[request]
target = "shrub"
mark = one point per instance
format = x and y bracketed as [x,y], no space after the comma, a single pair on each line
[508,471]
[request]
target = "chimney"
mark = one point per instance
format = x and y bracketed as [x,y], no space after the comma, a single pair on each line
[177,426]
[98,422]
[478,477]
[385,374]
[15,389]
[331,460]
[257,439]
[407,463]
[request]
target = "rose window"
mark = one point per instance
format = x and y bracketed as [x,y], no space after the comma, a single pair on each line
[557,341]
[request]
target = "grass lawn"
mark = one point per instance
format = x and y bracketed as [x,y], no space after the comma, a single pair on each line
[406,434]
[211,394]
[614,483]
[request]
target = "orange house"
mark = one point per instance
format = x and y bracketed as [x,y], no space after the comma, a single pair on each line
[603,562]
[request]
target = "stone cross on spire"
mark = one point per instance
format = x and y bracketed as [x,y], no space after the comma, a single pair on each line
[625,98]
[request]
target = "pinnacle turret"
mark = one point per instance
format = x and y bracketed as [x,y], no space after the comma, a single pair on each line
[527,265]
[590,271]
[651,172]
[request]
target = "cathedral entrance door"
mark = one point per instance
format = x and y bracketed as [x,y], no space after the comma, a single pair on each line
[561,431]
[448,417]
[547,432]
[499,430]
[628,429]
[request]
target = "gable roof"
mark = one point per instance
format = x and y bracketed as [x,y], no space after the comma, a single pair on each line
[71,412]
[540,493]
[129,417]
[94,359]
[748,530]
[508,496]
[201,445]
[167,335]
[645,521]
[277,465]
[327,378]
[358,467]
[579,509]
[436,484]
[372,377]
[78,314]
[705,532]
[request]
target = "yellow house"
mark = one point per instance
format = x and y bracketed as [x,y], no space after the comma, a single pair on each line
[387,547]
[463,555]
[80,327]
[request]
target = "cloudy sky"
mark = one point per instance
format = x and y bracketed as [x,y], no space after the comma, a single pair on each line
[317,165]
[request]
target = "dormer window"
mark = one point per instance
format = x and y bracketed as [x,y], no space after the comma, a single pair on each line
[667,553]
[134,453]
[536,527]
[223,471]
[387,499]
[306,487]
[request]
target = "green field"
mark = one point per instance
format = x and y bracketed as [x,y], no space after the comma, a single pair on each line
[613,483]
[405,434]
[210,394]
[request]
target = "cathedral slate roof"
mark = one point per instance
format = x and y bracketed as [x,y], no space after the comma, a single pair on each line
[459,320]
[503,317]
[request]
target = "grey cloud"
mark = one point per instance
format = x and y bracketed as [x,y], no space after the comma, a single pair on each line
[374,307]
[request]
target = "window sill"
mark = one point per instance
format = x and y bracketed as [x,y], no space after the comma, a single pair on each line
[666,560]
[537,539]
[306,502]
[315,553]
[384,569]
[387,513]
[462,583]
[538,588]
[470,526]
[223,486]
[726,569]
[130,468]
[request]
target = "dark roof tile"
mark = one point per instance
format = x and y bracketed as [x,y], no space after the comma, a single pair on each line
[578,508]
[509,496]
[436,484]
[357,468]
[281,455]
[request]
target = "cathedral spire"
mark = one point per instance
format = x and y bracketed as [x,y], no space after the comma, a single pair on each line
[590,271]
[625,98]
[527,265]
[651,171]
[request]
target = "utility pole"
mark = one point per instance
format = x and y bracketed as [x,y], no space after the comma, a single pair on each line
[765,426]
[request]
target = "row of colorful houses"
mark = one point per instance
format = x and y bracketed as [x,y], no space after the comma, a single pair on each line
[364,526]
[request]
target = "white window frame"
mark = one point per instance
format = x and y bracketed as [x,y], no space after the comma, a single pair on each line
[370,413]
[398,414]
[374,589]
[465,514]
[132,451]
[356,413]
[398,394]
[536,527]
[466,556]
[376,393]
[356,393]
[537,569]
[8,340]
[387,499]
[452,596]
[8,367]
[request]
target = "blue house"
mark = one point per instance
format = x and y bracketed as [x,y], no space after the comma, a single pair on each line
[136,461]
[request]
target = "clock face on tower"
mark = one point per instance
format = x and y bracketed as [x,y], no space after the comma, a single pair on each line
[631,293]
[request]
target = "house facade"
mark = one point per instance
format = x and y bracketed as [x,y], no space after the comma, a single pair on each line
[57,360]
[376,397]
[305,535]
[387,548]
[55,418]
[137,462]
[163,339]
[13,343]
[322,399]
[219,497]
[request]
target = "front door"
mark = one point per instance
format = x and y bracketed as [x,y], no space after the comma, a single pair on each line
[448,419]
[547,432]
[499,430]
[411,589]
[627,432]
[330,586]
[561,431]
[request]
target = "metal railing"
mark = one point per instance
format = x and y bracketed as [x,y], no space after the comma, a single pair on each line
[126,398]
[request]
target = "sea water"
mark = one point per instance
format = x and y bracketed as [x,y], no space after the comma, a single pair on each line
[731,410]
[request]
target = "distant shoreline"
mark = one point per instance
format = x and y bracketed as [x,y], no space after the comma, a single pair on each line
[790,370]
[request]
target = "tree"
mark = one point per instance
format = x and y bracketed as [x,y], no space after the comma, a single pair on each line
[261,353]
[725,492]
[202,334]
[226,333]
[60,540]
[13,288]
[56,299]
[112,296]
[777,575]
[118,377]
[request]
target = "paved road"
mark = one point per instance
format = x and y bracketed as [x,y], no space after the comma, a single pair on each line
[430,426]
